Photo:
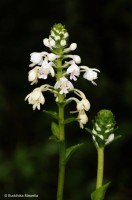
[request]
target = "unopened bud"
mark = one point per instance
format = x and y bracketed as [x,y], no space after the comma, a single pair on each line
[103,127]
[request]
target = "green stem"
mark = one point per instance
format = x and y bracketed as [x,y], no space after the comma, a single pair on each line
[100,168]
[61,175]
[62,149]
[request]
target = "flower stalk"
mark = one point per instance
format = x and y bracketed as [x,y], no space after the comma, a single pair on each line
[62,150]
[102,135]
[61,174]
[100,167]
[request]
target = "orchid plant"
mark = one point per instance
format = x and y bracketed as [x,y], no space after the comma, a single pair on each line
[65,68]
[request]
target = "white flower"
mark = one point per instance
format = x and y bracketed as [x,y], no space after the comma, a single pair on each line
[90,73]
[82,118]
[46,42]
[66,35]
[56,37]
[84,104]
[36,58]
[63,43]
[73,70]
[36,98]
[75,58]
[64,85]
[95,133]
[80,93]
[97,127]
[49,42]
[51,56]
[72,47]
[46,69]
[110,138]
[33,75]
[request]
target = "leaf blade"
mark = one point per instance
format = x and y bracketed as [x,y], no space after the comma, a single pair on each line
[51,113]
[71,150]
[69,120]
[99,193]
[55,130]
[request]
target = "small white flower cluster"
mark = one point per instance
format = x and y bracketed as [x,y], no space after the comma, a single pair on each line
[82,106]
[103,128]
[48,64]
[101,137]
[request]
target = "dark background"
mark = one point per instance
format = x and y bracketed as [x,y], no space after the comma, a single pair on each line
[28,160]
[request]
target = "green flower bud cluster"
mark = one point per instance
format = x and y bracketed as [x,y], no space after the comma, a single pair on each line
[60,35]
[103,128]
[57,40]
[60,31]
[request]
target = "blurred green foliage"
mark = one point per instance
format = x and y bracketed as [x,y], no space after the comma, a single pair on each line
[28,160]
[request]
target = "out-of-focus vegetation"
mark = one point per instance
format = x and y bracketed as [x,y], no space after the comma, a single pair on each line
[28,160]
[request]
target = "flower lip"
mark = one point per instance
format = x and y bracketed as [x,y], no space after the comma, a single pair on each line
[82,118]
[46,69]
[36,58]
[33,75]
[64,85]
[36,98]
[73,70]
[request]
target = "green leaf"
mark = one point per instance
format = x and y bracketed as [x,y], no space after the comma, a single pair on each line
[53,138]
[51,113]
[99,193]
[71,150]
[89,130]
[69,120]
[55,130]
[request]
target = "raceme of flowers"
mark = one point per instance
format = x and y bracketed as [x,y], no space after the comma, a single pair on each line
[64,67]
